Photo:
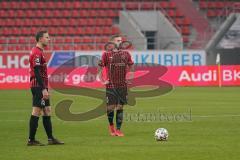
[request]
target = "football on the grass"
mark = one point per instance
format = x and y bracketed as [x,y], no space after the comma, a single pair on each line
[161,134]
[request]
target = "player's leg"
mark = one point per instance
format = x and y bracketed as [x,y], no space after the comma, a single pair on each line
[36,112]
[111,105]
[110,115]
[47,123]
[122,100]
[119,120]
[46,119]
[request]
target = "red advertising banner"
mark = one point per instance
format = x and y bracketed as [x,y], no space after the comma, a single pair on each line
[175,75]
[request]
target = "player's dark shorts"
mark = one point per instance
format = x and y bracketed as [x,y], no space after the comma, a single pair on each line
[37,98]
[116,96]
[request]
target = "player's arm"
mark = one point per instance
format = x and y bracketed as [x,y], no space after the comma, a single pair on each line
[40,81]
[131,70]
[37,68]
[101,65]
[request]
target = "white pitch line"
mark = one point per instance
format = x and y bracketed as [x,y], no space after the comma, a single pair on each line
[206,116]
[13,111]
[212,116]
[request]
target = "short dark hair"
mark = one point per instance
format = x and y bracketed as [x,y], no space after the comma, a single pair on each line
[114,36]
[40,34]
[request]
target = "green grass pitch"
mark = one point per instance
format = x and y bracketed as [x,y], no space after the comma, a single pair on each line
[210,131]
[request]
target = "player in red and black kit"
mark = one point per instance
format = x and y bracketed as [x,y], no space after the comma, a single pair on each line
[117,63]
[39,88]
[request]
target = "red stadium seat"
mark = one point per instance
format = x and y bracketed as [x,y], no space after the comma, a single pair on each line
[179,13]
[112,13]
[47,13]
[171,5]
[27,22]
[91,22]
[76,4]
[104,5]
[72,31]
[92,13]
[14,31]
[115,30]
[115,5]
[23,5]
[66,13]
[132,5]
[75,14]
[102,13]
[68,40]
[11,14]
[85,5]
[186,21]
[211,13]
[78,40]
[77,47]
[59,5]
[3,40]
[57,13]
[41,5]
[67,47]
[98,31]
[12,40]
[87,39]
[147,6]
[3,14]
[50,5]
[5,5]
[179,21]
[164,5]
[57,47]
[10,22]
[68,5]
[80,31]
[203,5]
[89,30]
[22,40]
[82,22]
[185,31]
[14,5]
[72,22]
[32,5]
[171,13]
[83,13]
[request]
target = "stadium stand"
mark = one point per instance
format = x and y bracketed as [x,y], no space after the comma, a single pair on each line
[84,25]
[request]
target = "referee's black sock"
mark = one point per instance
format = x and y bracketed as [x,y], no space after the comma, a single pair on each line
[33,125]
[110,115]
[119,118]
[48,126]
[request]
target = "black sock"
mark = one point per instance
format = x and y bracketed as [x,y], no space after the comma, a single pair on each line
[48,126]
[33,125]
[110,115]
[119,118]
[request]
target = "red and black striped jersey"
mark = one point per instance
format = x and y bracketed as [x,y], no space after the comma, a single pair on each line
[36,58]
[116,63]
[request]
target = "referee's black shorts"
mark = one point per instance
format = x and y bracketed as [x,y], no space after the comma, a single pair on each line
[37,98]
[116,96]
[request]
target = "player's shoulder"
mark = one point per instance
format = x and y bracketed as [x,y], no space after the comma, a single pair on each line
[105,53]
[126,52]
[36,51]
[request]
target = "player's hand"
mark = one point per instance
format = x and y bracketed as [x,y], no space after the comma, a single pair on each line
[129,82]
[45,94]
[106,82]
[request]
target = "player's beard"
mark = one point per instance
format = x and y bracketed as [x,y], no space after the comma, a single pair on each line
[44,45]
[117,46]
